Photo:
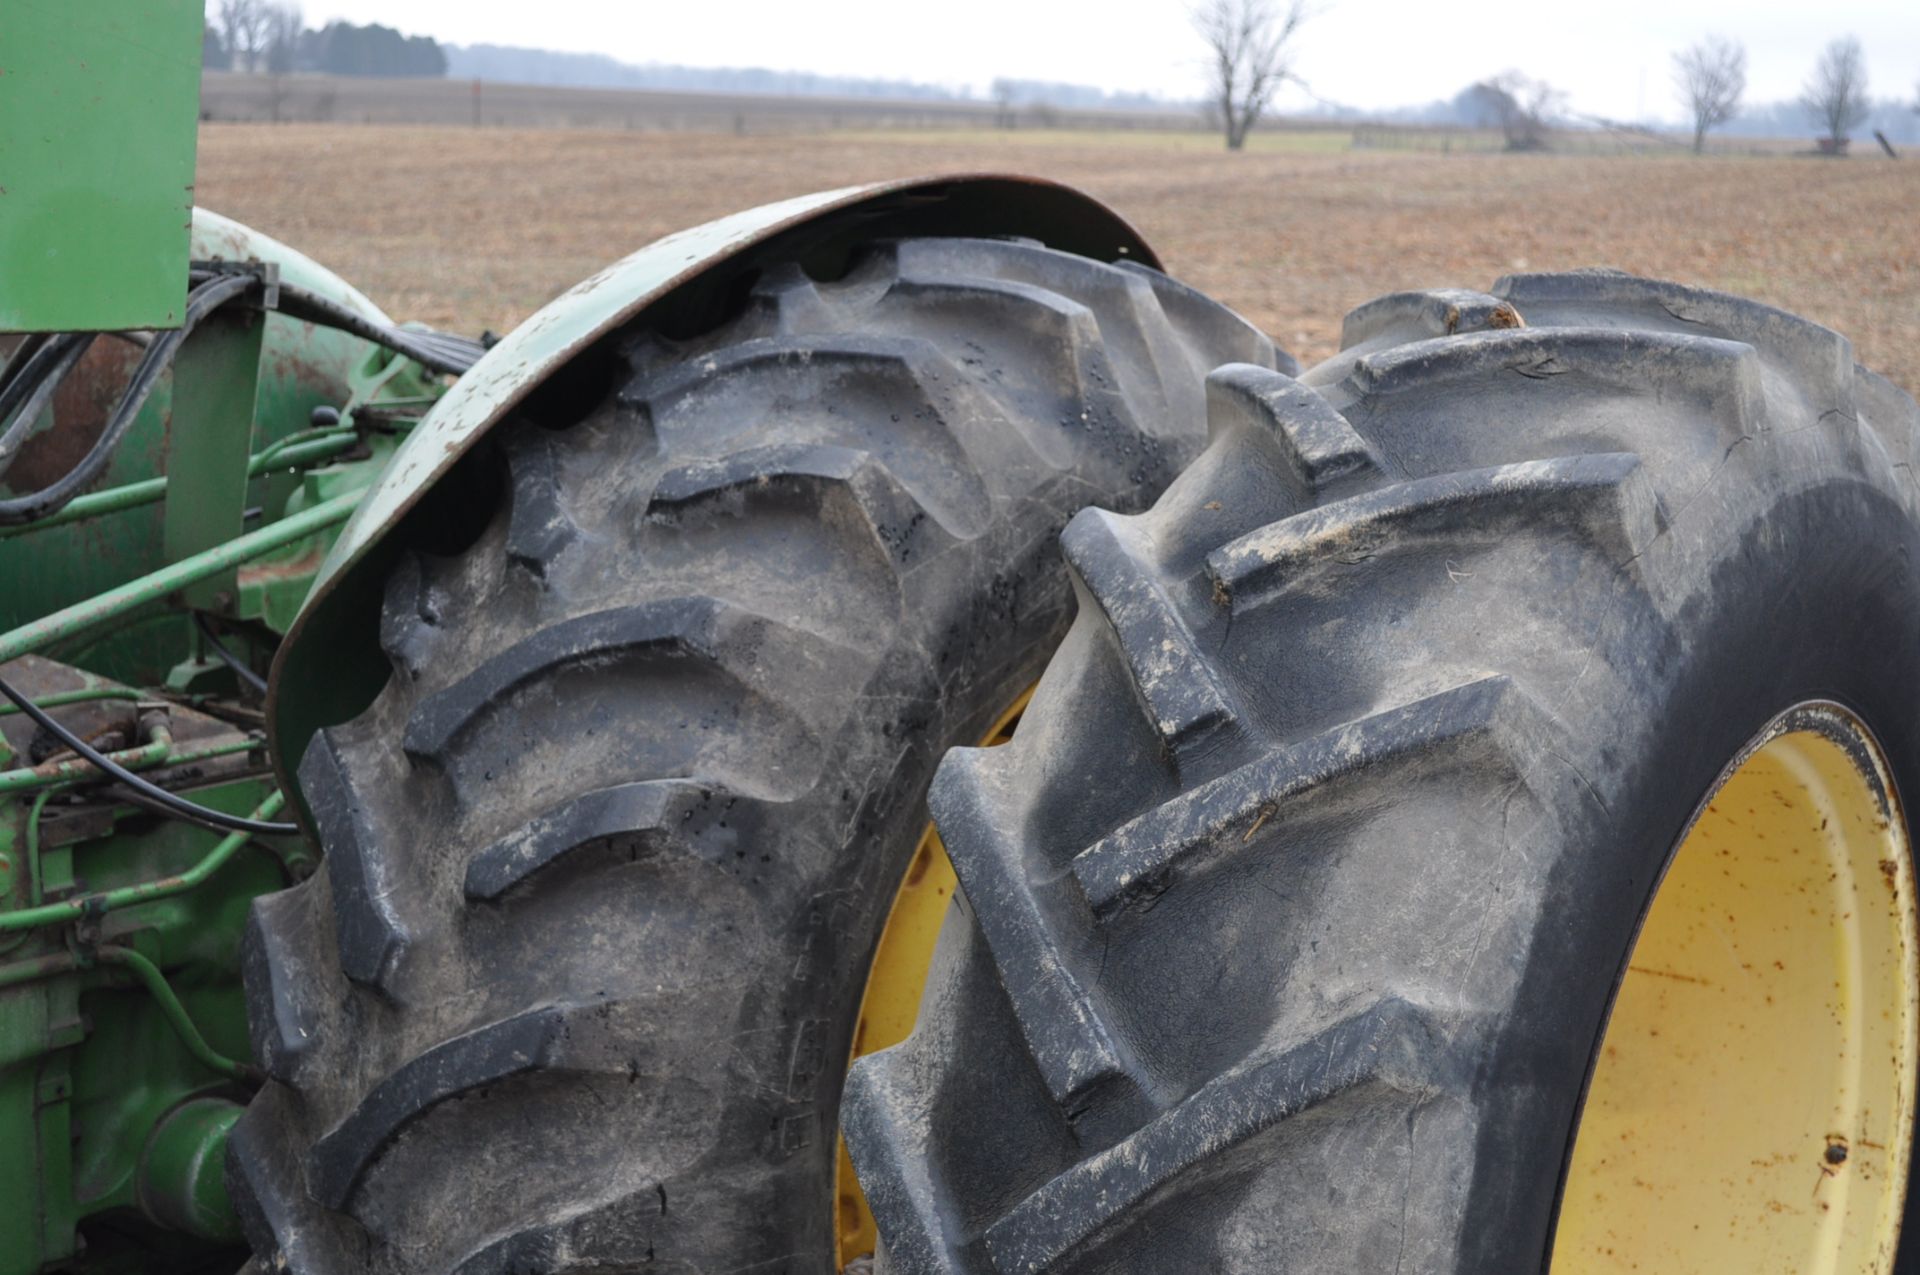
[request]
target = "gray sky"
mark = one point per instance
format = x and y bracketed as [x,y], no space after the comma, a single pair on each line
[1613,57]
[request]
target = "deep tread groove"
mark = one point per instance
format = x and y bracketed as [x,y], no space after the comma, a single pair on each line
[1184,701]
[526,1042]
[637,817]
[1195,311]
[1312,444]
[408,614]
[1065,1032]
[1060,333]
[373,940]
[679,628]
[539,526]
[1141,859]
[1600,492]
[882,1119]
[1382,1044]
[790,298]
[901,523]
[1412,316]
[276,1216]
[1605,356]
[1822,357]
[1139,357]
[274,953]
[923,391]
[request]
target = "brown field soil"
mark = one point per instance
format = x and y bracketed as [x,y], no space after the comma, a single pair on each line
[476,228]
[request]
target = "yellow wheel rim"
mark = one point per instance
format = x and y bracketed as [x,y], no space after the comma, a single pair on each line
[895,983]
[1751,1104]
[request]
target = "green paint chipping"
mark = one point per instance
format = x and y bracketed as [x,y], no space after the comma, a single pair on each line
[101,105]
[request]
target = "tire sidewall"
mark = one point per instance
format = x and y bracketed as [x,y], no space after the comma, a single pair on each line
[1815,597]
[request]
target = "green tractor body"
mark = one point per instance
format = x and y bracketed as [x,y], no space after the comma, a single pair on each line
[121,1024]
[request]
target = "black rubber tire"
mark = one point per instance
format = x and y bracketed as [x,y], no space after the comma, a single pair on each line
[1292,912]
[607,859]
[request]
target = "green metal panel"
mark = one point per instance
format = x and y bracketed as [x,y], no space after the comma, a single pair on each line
[100,101]
[214,380]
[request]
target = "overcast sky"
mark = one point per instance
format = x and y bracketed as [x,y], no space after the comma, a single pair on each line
[1613,57]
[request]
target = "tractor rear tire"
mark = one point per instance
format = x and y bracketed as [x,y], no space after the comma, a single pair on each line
[1292,913]
[607,860]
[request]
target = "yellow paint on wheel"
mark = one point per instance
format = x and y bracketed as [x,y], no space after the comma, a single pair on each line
[1752,1102]
[895,983]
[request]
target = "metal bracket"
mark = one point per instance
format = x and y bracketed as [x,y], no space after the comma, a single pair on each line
[216,377]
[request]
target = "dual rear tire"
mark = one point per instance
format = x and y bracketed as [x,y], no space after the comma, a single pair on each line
[607,859]
[1293,915]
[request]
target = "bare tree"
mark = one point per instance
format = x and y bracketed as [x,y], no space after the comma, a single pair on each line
[213,50]
[243,25]
[1004,95]
[284,26]
[1836,96]
[1525,108]
[1711,77]
[1248,57]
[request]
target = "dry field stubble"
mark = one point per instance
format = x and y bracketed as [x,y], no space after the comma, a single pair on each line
[476,228]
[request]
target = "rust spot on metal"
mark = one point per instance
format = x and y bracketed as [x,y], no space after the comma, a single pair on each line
[294,363]
[1678,978]
[288,569]
[80,409]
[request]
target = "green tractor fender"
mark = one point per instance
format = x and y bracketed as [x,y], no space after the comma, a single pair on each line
[330,667]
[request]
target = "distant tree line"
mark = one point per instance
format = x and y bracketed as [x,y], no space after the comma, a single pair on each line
[1074,97]
[510,65]
[341,48]
[1250,44]
[1477,108]
[263,37]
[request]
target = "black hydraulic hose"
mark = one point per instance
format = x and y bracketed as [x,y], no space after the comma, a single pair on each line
[437,355]
[26,394]
[34,372]
[437,351]
[22,355]
[22,352]
[246,675]
[153,794]
[454,348]
[115,792]
[202,301]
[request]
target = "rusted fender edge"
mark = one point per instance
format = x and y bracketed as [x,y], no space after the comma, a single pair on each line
[330,667]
